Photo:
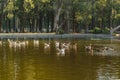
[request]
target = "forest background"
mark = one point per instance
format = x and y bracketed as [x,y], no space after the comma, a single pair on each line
[60,16]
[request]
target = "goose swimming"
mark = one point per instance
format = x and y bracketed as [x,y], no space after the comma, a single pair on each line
[61,51]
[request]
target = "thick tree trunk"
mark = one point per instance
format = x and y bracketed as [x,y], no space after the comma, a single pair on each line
[56,19]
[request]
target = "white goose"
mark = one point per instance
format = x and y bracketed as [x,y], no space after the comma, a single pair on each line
[65,45]
[36,43]
[46,45]
[57,44]
[11,43]
[61,52]
[88,48]
[16,44]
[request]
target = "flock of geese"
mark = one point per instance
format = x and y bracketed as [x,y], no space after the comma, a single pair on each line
[91,49]
[17,44]
[60,46]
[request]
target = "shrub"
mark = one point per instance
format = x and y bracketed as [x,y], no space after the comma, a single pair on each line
[60,31]
[106,30]
[97,30]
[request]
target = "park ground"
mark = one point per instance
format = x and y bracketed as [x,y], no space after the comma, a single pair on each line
[53,35]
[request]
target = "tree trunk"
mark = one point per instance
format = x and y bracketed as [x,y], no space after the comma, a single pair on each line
[2,6]
[57,14]
[35,25]
[40,22]
[68,22]
[56,19]
[93,19]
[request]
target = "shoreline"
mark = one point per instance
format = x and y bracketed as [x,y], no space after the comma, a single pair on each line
[53,35]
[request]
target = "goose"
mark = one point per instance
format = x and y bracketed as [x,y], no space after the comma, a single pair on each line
[89,48]
[103,49]
[22,44]
[26,42]
[73,45]
[66,45]
[16,44]
[61,51]
[36,43]
[57,44]
[108,48]
[11,43]
[9,40]
[46,45]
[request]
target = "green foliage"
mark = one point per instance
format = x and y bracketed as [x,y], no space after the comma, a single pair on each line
[118,16]
[101,3]
[10,15]
[106,30]
[60,31]
[45,1]
[28,5]
[77,14]
[78,17]
[9,9]
[97,30]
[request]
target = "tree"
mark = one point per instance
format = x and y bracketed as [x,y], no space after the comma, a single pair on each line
[57,9]
[2,7]
[53,15]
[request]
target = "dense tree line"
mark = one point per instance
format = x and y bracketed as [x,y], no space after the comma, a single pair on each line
[58,15]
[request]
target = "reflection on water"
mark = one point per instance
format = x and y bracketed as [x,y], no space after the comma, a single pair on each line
[59,60]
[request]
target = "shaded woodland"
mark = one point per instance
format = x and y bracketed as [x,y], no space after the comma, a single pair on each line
[60,16]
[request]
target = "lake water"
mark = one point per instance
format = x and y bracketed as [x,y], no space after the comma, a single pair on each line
[41,60]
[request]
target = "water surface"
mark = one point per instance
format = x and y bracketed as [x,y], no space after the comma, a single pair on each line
[33,62]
